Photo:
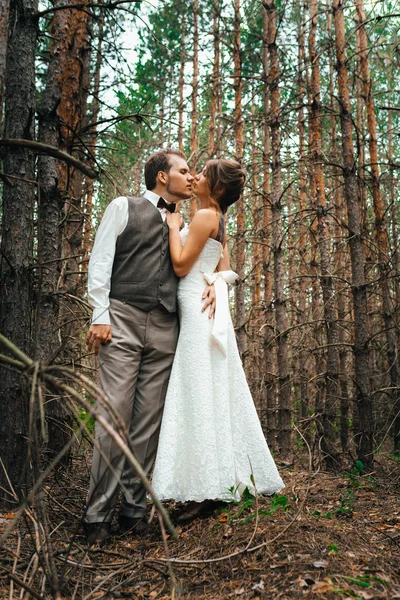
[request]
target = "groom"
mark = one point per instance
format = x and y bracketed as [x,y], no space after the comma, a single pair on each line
[132,289]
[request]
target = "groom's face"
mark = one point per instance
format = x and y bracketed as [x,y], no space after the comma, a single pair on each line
[179,179]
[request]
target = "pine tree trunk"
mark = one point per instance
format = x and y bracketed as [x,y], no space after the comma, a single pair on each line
[213,141]
[4,10]
[339,260]
[86,240]
[328,292]
[181,81]
[281,322]
[396,262]
[17,238]
[61,190]
[316,312]
[71,29]
[381,233]
[255,309]
[195,95]
[269,346]
[361,351]
[240,259]
[302,354]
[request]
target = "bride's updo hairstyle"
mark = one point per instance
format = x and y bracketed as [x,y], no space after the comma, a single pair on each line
[226,181]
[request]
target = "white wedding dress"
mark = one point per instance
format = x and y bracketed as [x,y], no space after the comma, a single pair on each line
[211,442]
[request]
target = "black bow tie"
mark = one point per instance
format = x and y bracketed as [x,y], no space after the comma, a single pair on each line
[162,204]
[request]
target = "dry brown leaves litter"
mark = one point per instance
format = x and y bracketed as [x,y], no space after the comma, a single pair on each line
[325,536]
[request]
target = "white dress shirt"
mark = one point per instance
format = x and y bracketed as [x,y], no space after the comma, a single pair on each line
[113,223]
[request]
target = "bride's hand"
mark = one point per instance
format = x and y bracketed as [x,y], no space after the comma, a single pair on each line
[174,220]
[210,298]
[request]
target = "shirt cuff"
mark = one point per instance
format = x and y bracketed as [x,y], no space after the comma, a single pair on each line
[101,316]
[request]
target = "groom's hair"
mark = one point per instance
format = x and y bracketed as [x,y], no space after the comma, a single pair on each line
[159,161]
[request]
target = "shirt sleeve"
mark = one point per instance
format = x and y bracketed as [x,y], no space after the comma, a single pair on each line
[113,223]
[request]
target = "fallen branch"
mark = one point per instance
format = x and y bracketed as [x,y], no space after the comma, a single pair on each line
[118,431]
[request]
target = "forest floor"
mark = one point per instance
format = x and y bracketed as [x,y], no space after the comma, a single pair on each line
[325,536]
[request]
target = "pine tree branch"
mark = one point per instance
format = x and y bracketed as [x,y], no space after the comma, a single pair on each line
[51,151]
[84,6]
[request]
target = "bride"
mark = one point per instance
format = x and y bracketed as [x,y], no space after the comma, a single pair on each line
[211,443]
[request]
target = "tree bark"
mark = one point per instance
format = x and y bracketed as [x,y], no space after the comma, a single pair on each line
[363,397]
[269,347]
[94,116]
[240,247]
[281,322]
[71,30]
[195,96]
[381,233]
[255,309]
[396,260]
[181,80]
[339,258]
[328,292]
[302,354]
[213,138]
[60,116]
[4,10]
[16,293]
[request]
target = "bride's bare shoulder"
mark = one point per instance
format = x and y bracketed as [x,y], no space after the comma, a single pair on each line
[206,214]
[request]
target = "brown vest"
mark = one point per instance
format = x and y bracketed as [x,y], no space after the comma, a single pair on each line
[142,272]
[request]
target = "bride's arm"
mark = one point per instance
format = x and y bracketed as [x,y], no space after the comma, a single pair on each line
[183,258]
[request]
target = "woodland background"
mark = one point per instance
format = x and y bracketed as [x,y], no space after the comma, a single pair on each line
[307,96]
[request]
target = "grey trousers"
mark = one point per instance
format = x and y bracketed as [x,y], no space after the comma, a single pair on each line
[134,370]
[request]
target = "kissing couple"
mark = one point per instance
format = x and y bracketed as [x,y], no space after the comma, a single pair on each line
[167,355]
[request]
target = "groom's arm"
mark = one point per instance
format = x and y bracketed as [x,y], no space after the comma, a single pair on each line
[114,221]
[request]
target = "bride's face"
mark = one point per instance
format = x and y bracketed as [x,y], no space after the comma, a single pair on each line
[200,185]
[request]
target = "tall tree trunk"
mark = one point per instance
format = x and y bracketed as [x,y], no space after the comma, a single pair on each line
[181,83]
[361,351]
[240,256]
[269,346]
[338,252]
[195,96]
[213,141]
[396,260]
[328,292]
[381,233]
[95,110]
[71,28]
[255,310]
[284,434]
[17,238]
[60,189]
[316,312]
[303,230]
[4,10]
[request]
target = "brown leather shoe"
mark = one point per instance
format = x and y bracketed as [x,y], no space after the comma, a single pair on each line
[97,533]
[136,526]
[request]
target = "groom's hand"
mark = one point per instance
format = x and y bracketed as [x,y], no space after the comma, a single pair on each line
[98,334]
[210,300]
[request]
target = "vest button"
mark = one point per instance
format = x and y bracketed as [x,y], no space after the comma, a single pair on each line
[162,268]
[160,283]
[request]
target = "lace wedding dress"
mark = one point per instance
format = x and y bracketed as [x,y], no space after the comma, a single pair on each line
[211,442]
